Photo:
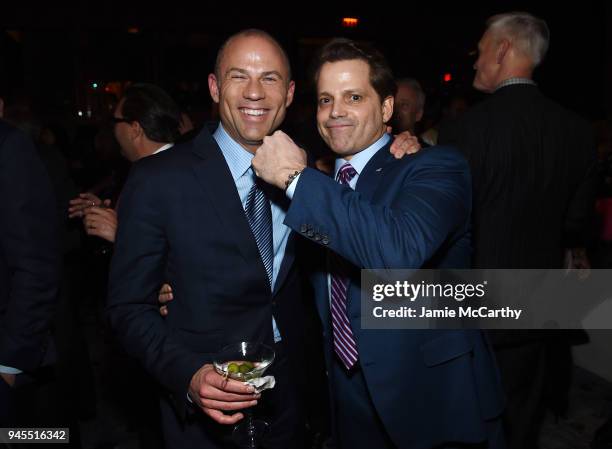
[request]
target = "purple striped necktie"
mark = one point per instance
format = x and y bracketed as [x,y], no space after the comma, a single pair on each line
[344,341]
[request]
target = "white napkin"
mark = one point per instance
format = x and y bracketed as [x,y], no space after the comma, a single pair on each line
[262,383]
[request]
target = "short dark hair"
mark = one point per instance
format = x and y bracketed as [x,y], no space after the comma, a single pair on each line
[249,33]
[155,111]
[341,49]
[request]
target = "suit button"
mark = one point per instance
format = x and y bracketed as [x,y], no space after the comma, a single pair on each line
[303,228]
[274,303]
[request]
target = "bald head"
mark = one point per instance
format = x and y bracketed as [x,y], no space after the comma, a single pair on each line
[251,33]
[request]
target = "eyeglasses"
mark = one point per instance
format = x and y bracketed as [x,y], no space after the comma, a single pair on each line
[116,120]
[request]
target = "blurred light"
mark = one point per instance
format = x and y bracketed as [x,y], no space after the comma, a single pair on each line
[350,22]
[448,77]
[94,85]
[17,36]
[80,113]
[133,30]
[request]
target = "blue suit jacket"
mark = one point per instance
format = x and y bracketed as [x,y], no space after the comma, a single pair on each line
[181,221]
[428,386]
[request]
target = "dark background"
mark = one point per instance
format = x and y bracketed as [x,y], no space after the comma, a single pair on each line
[54,53]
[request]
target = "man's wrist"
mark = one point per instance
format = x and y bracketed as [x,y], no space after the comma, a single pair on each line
[293,174]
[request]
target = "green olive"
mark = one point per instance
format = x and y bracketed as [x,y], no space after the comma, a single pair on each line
[233,368]
[245,368]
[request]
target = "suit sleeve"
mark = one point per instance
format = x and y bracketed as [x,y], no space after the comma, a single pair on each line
[137,272]
[29,238]
[431,202]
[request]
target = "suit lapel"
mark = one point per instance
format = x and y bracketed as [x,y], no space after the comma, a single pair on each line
[372,173]
[287,262]
[214,176]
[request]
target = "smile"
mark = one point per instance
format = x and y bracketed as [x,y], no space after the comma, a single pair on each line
[253,112]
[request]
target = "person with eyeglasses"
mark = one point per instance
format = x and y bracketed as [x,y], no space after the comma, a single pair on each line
[146,121]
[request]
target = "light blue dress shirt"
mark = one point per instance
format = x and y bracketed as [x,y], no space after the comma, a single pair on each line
[239,162]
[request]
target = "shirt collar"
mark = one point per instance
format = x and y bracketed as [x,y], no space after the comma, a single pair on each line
[360,160]
[513,81]
[163,148]
[238,159]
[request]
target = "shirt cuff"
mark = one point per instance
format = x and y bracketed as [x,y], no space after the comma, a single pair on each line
[9,370]
[291,189]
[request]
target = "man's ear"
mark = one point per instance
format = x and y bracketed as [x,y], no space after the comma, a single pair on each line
[419,116]
[387,108]
[213,87]
[502,49]
[136,131]
[290,92]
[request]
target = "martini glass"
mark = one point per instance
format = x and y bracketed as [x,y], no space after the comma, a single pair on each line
[245,361]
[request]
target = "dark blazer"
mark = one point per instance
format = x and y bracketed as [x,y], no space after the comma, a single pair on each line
[30,262]
[428,386]
[181,221]
[533,167]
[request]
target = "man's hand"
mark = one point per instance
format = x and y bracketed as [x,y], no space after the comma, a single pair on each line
[404,143]
[164,296]
[8,378]
[214,394]
[278,158]
[576,259]
[80,204]
[101,222]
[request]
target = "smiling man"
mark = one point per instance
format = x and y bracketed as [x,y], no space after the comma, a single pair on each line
[197,217]
[390,388]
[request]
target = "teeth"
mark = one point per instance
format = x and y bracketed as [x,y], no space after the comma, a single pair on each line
[255,112]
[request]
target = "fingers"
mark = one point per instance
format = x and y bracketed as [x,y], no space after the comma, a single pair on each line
[404,144]
[106,213]
[79,205]
[94,220]
[227,406]
[413,145]
[222,418]
[163,310]
[165,294]
[227,387]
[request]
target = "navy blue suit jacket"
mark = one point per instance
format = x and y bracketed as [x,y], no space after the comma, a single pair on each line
[428,386]
[30,259]
[181,221]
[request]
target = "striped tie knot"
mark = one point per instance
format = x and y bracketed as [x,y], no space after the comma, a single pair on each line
[346,173]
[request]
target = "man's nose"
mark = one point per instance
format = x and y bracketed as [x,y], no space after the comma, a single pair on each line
[254,90]
[337,110]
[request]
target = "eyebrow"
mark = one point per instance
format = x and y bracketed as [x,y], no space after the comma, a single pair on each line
[355,91]
[246,72]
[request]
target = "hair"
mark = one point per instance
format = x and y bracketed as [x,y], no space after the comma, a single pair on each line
[155,111]
[341,49]
[529,34]
[251,32]
[416,86]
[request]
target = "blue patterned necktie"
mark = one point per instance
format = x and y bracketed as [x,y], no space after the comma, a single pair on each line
[344,341]
[259,215]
